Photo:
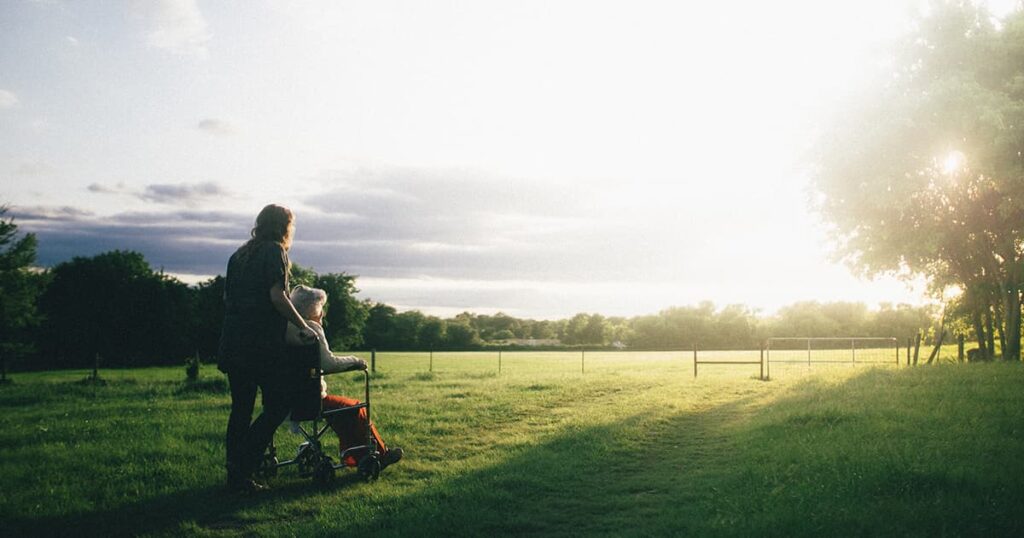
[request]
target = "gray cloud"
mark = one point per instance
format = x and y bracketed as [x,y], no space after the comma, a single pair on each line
[34,169]
[399,224]
[50,213]
[101,188]
[177,26]
[8,99]
[215,126]
[170,193]
[165,193]
[451,206]
[183,242]
[455,224]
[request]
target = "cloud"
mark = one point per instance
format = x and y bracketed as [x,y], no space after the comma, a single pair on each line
[181,192]
[100,188]
[404,223]
[165,193]
[177,26]
[50,213]
[189,242]
[7,99]
[72,41]
[34,169]
[215,126]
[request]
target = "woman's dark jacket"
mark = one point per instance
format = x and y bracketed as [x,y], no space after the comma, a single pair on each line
[253,332]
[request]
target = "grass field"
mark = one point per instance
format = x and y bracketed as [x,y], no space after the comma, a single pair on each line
[635,446]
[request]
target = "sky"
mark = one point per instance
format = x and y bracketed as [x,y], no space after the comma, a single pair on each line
[540,158]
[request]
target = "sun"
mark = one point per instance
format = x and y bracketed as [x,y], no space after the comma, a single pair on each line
[953,162]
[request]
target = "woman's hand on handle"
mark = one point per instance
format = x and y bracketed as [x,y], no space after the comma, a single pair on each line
[307,334]
[284,306]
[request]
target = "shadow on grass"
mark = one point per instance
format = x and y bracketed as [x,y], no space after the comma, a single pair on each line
[214,508]
[204,386]
[824,459]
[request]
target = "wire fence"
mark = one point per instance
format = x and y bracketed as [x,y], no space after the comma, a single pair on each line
[780,356]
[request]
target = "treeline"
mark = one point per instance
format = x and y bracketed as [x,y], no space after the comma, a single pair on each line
[114,306]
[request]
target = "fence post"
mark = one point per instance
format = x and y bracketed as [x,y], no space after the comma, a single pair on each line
[373,361]
[853,350]
[431,360]
[762,361]
[808,352]
[897,346]
[499,361]
[908,350]
[960,348]
[583,364]
[694,360]
[917,347]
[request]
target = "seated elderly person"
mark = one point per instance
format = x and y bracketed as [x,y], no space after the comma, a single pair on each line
[350,427]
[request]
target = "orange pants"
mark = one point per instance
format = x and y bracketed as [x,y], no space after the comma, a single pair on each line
[351,428]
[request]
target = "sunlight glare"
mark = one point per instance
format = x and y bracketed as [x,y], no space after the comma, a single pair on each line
[953,163]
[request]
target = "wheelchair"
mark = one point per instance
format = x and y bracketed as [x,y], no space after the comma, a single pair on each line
[311,460]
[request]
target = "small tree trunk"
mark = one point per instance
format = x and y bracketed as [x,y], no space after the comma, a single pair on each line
[1011,349]
[938,343]
[999,327]
[990,334]
[979,331]
[959,348]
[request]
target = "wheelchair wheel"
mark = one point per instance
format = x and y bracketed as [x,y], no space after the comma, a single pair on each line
[268,467]
[307,462]
[369,467]
[323,473]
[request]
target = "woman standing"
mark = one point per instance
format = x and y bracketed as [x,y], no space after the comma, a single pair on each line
[257,311]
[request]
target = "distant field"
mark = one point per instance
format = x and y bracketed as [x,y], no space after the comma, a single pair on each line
[788,362]
[635,446]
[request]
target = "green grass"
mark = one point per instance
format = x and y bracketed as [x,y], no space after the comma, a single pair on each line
[634,447]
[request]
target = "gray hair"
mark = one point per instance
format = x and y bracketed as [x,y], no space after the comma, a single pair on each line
[308,301]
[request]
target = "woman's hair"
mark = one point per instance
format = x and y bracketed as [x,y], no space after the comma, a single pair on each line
[276,224]
[308,301]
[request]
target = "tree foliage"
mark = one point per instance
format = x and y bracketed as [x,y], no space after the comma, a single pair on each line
[19,289]
[923,173]
[115,305]
[344,315]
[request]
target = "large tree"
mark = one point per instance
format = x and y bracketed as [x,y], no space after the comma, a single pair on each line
[19,288]
[924,174]
[114,304]
[379,331]
[345,316]
[209,316]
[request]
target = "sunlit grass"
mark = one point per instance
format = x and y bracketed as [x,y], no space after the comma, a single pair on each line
[634,446]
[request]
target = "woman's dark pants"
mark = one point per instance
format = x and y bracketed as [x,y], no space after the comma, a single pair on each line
[247,442]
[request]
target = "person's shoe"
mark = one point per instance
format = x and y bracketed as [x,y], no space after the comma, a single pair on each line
[391,456]
[246,486]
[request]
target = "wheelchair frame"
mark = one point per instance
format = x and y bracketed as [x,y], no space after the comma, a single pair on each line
[311,459]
